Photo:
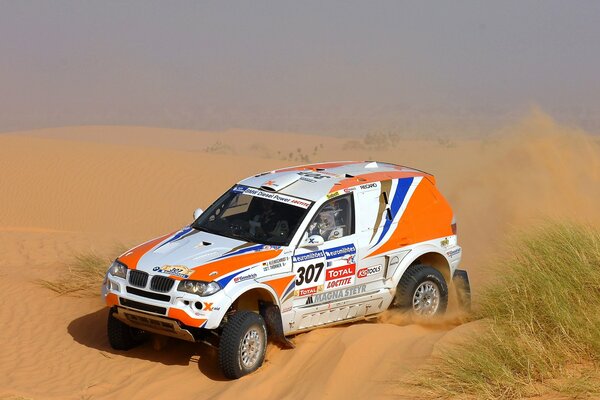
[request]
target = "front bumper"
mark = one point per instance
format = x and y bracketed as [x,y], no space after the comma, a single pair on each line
[189,309]
[154,324]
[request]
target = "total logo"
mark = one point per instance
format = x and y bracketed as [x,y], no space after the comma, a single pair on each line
[364,272]
[340,272]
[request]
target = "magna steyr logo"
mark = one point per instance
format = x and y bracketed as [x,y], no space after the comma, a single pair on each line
[337,294]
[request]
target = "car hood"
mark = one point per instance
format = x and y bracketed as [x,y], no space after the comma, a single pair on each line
[198,255]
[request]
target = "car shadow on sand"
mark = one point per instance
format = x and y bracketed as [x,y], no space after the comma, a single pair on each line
[90,331]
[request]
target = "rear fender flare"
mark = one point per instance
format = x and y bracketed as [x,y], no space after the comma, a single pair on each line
[414,254]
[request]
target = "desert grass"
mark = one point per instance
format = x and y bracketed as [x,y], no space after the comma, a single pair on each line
[543,331]
[84,274]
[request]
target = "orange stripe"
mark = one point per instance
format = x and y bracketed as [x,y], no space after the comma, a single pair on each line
[373,177]
[227,265]
[132,257]
[321,165]
[280,284]
[185,318]
[428,216]
[112,300]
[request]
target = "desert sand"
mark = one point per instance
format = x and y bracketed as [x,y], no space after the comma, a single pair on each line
[79,189]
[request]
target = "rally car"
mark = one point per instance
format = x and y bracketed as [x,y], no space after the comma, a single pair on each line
[288,251]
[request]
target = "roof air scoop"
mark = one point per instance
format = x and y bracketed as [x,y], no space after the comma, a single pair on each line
[275,184]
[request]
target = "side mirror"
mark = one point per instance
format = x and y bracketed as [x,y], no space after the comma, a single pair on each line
[197,213]
[313,241]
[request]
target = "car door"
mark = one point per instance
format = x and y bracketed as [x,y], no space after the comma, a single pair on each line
[326,272]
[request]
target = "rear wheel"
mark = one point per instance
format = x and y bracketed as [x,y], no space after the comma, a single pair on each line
[122,336]
[243,344]
[422,291]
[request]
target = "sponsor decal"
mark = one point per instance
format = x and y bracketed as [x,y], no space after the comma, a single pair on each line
[368,186]
[312,239]
[340,251]
[445,242]
[340,282]
[273,196]
[308,274]
[313,175]
[243,278]
[305,179]
[364,272]
[338,294]
[340,272]
[308,256]
[394,261]
[308,291]
[454,252]
[340,192]
[176,270]
[208,307]
[274,264]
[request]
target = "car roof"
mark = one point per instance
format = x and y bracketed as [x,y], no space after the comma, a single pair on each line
[314,181]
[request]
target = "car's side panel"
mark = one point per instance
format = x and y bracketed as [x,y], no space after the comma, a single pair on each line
[422,214]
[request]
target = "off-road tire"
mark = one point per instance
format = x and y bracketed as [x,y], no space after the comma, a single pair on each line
[240,324]
[414,276]
[122,336]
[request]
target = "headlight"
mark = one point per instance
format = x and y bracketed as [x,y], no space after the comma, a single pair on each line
[119,269]
[198,287]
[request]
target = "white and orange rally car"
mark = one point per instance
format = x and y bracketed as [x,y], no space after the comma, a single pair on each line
[288,251]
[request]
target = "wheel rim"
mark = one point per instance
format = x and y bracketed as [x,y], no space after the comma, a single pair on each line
[426,298]
[251,347]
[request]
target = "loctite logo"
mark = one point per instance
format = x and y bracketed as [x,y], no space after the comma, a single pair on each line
[364,272]
[340,282]
[340,272]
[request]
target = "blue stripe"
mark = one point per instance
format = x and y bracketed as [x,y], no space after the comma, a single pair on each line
[242,251]
[178,235]
[292,286]
[224,281]
[399,196]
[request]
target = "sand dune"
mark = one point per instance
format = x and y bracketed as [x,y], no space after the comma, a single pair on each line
[69,190]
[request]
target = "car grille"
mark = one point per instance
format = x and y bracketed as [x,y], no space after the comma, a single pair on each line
[161,283]
[150,295]
[138,278]
[142,306]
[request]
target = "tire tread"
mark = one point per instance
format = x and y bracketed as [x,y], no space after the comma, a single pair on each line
[411,278]
[229,344]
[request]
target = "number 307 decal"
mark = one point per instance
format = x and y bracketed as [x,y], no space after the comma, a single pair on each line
[307,275]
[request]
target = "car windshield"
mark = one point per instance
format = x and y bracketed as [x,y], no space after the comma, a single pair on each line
[254,215]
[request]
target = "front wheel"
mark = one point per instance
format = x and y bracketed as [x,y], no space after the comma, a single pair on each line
[243,344]
[422,291]
[122,336]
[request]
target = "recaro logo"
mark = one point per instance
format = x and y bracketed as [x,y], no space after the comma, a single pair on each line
[363,273]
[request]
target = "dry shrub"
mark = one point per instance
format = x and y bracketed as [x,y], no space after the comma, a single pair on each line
[544,323]
[84,274]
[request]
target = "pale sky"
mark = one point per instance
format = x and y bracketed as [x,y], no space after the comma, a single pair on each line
[295,65]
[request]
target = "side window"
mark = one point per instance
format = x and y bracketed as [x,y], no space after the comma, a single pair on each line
[335,219]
